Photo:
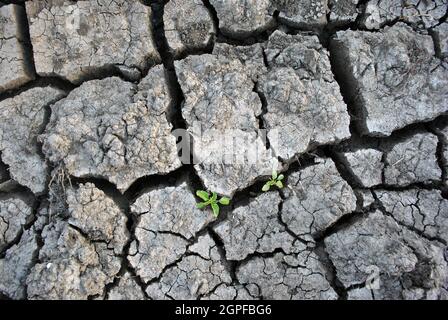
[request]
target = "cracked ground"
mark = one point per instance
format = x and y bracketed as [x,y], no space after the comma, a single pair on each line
[348,98]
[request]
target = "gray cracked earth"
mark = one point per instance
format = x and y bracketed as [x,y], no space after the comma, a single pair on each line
[348,98]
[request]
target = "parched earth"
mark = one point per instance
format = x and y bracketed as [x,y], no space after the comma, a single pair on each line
[348,99]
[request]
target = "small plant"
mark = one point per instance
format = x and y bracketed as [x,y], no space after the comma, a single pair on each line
[276,180]
[212,201]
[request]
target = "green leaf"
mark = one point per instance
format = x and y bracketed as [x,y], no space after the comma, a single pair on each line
[280,177]
[274,174]
[214,197]
[279,184]
[266,187]
[202,194]
[201,205]
[215,209]
[224,201]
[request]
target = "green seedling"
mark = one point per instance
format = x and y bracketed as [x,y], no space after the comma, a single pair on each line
[276,180]
[212,201]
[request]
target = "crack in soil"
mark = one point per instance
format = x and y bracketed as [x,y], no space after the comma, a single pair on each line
[241,197]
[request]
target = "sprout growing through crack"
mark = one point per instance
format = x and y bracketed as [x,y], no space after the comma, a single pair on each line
[212,201]
[276,180]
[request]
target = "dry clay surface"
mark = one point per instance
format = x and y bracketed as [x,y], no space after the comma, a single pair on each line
[347,99]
